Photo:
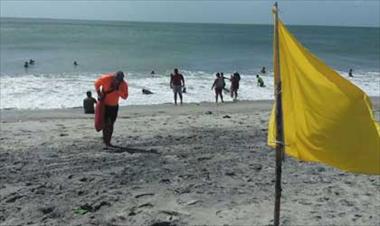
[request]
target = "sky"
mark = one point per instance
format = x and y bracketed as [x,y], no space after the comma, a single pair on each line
[296,12]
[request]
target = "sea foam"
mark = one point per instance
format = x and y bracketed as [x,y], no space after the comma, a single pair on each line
[46,91]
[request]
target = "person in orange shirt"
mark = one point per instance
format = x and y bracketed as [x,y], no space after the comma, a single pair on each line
[110,87]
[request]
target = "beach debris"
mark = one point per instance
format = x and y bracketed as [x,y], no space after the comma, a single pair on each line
[205,158]
[80,211]
[171,212]
[192,202]
[184,190]
[83,209]
[133,211]
[100,205]
[208,113]
[163,223]
[257,167]
[14,198]
[83,179]
[146,205]
[165,181]
[143,194]
[226,116]
[230,173]
[47,210]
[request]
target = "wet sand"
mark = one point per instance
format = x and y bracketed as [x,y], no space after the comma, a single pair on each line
[197,164]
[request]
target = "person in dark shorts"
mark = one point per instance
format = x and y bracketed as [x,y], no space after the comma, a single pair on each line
[235,81]
[110,87]
[177,84]
[88,103]
[218,85]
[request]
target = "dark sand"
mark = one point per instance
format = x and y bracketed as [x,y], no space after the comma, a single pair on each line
[197,164]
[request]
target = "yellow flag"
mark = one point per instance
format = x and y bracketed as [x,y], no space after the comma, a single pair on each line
[326,118]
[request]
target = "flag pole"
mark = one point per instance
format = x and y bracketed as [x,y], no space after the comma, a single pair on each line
[279,120]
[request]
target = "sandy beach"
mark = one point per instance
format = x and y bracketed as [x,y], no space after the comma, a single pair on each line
[196,164]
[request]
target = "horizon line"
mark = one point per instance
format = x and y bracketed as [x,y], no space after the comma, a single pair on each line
[183,22]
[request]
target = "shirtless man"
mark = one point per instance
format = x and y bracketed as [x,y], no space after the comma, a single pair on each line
[88,104]
[177,83]
[218,85]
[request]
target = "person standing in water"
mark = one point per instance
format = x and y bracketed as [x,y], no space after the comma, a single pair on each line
[234,87]
[88,103]
[110,87]
[263,71]
[218,85]
[236,79]
[224,83]
[260,81]
[350,73]
[177,83]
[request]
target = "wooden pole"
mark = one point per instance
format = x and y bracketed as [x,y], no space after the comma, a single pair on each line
[279,120]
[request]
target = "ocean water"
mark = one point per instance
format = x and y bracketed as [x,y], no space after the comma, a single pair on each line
[198,50]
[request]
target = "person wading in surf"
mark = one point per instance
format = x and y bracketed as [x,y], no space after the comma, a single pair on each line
[218,85]
[110,87]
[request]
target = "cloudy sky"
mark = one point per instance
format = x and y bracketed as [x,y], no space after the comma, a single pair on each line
[302,12]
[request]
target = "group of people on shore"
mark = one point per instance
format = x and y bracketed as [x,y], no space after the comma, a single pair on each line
[177,84]
[219,85]
[111,87]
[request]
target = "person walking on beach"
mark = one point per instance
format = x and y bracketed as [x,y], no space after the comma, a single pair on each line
[110,87]
[218,86]
[177,83]
[88,103]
